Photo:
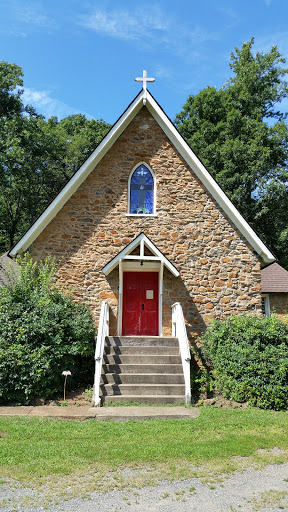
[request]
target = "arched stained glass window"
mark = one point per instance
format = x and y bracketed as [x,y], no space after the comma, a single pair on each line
[141,191]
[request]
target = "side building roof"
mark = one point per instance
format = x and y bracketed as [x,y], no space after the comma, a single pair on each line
[274,279]
[8,269]
[145,98]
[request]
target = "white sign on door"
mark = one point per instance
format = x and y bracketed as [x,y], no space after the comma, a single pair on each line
[149,294]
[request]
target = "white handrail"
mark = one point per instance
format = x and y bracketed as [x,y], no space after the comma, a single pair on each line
[103,331]
[179,330]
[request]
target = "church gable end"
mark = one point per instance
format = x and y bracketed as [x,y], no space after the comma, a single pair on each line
[219,272]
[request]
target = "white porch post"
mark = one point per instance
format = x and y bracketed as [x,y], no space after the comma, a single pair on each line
[160,297]
[142,247]
[179,330]
[120,299]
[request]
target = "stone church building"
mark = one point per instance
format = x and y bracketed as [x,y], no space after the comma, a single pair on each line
[143,225]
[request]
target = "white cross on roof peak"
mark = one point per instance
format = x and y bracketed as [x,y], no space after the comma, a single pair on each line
[144,79]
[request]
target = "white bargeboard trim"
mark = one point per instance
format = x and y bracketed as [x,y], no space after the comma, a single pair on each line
[184,150]
[142,240]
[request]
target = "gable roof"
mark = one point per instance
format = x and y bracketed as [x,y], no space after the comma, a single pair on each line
[274,278]
[145,98]
[143,241]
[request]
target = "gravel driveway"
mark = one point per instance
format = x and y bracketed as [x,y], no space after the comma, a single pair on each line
[253,490]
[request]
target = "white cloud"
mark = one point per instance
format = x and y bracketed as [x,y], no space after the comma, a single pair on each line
[279,39]
[33,14]
[148,28]
[126,25]
[162,71]
[228,11]
[24,17]
[48,106]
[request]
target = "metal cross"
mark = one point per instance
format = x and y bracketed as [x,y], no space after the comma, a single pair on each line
[144,79]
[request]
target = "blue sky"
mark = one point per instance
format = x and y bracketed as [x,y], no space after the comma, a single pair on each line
[83,56]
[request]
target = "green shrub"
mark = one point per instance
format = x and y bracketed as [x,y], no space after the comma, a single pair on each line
[42,333]
[249,359]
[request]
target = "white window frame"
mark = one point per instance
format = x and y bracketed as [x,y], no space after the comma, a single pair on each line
[154,193]
[266,298]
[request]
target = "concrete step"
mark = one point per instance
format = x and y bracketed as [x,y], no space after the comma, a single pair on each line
[143,389]
[141,368]
[139,349]
[141,340]
[141,359]
[142,378]
[144,399]
[142,413]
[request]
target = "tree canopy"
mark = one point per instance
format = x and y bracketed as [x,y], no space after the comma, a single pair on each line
[37,156]
[240,134]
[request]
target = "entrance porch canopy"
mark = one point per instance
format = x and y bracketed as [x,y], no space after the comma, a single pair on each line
[143,241]
[125,259]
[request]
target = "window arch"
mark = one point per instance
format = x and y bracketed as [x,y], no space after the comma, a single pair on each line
[141,191]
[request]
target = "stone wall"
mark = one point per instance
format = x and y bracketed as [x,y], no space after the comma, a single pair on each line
[219,273]
[279,304]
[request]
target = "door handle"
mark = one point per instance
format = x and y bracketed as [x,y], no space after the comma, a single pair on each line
[142,307]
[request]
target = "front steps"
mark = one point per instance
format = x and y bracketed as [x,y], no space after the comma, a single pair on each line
[142,369]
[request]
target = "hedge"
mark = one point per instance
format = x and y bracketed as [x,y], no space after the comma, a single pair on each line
[42,333]
[248,358]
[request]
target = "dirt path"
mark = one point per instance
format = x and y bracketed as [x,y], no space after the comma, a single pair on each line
[265,490]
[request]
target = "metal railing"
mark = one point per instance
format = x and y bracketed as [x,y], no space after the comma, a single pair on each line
[179,331]
[103,331]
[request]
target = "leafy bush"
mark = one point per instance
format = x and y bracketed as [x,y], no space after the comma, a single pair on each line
[249,359]
[42,333]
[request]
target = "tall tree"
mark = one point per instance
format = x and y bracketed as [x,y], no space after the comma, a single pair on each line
[15,122]
[10,97]
[240,134]
[78,137]
[37,157]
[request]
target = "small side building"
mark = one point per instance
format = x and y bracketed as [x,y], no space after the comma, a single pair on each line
[8,269]
[274,290]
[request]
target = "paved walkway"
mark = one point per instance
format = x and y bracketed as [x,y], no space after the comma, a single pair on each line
[101,413]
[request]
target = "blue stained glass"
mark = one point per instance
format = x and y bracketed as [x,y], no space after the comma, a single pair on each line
[141,191]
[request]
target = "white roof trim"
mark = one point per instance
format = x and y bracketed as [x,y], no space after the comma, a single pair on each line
[207,180]
[140,240]
[185,151]
[78,178]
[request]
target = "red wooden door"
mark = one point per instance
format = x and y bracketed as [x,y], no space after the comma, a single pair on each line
[140,304]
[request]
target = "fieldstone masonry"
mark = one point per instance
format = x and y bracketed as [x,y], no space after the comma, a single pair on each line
[219,273]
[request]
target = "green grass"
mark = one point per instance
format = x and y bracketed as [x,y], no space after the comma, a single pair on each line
[40,447]
[61,459]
